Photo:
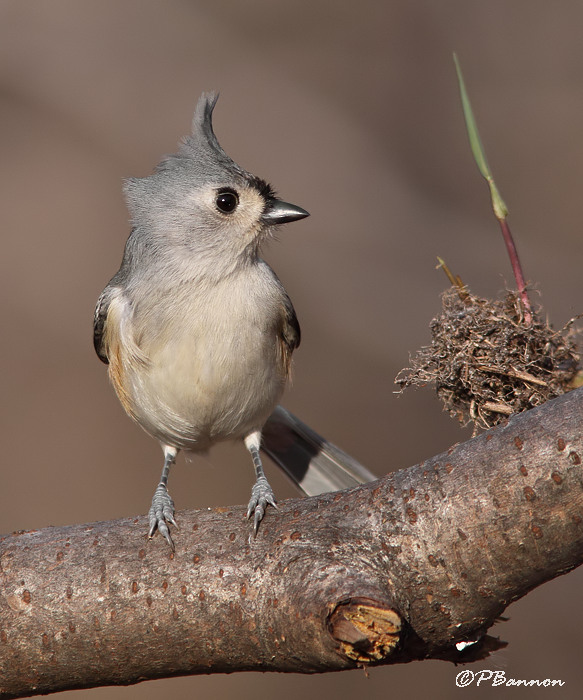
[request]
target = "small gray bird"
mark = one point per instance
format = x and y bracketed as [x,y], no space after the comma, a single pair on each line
[197,329]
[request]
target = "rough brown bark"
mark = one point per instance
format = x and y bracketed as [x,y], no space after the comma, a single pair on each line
[398,569]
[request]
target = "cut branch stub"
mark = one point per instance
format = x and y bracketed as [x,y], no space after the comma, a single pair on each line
[365,630]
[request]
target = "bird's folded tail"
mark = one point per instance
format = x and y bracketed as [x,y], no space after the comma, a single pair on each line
[313,464]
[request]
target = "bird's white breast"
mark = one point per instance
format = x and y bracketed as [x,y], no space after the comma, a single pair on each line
[213,366]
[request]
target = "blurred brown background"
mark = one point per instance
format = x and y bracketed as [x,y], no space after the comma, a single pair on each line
[351,111]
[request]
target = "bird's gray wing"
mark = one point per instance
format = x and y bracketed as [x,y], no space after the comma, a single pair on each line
[112,326]
[99,323]
[313,464]
[289,331]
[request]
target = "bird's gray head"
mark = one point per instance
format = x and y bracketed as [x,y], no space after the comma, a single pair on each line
[199,200]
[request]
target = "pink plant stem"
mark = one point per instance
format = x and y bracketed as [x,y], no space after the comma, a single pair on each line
[517,269]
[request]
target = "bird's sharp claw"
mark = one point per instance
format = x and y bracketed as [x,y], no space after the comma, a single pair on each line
[168,539]
[259,512]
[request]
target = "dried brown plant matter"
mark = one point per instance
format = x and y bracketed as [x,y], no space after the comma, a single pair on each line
[486,363]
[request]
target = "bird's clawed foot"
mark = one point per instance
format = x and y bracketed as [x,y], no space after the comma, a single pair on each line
[161,514]
[261,497]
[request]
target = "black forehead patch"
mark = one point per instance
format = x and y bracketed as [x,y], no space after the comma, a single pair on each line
[263,187]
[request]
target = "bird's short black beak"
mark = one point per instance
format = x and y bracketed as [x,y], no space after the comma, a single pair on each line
[278,212]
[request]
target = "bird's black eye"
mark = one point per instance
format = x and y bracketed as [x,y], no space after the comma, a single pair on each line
[227,201]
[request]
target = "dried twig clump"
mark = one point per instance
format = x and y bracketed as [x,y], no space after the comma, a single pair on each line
[487,363]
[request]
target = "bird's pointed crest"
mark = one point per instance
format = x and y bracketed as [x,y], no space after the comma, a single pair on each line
[202,144]
[202,122]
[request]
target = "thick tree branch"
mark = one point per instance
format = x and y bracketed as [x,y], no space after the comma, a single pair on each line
[402,568]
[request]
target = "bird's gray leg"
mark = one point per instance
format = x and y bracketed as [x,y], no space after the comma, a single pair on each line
[261,493]
[162,508]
